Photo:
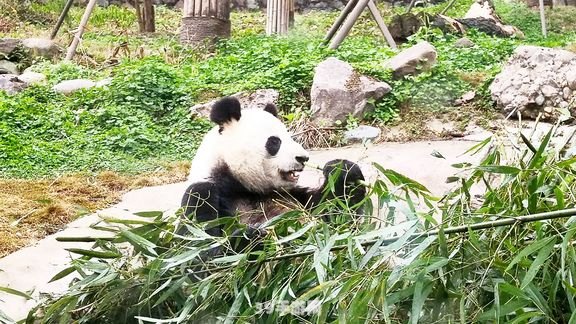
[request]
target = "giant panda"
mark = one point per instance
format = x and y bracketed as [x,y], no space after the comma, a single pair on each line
[248,163]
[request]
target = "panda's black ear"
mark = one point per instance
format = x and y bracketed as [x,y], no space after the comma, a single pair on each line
[271,108]
[225,110]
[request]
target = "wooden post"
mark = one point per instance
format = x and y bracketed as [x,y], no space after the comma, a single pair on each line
[542,18]
[278,16]
[78,35]
[63,15]
[385,32]
[347,9]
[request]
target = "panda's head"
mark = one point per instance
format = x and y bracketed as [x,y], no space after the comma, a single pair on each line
[256,146]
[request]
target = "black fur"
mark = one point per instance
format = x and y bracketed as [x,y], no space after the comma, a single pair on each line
[225,110]
[271,108]
[273,145]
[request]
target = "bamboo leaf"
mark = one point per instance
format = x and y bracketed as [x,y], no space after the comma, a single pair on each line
[62,274]
[529,250]
[542,256]
[421,292]
[149,214]
[230,317]
[536,159]
[15,292]
[140,243]
[296,234]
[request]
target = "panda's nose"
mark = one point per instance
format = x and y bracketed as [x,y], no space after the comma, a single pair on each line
[302,159]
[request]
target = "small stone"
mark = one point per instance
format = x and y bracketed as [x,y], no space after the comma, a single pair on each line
[571,79]
[70,86]
[540,100]
[549,91]
[464,42]
[7,67]
[361,133]
[566,93]
[563,104]
[548,109]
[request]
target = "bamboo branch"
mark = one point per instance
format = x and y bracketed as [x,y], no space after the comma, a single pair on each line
[449,230]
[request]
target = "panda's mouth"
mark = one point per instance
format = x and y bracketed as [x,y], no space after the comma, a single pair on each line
[291,176]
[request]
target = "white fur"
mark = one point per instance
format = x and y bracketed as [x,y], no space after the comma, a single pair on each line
[242,146]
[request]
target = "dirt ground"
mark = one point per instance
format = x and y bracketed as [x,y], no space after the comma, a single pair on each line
[32,209]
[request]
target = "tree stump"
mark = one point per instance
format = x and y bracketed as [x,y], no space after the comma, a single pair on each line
[205,20]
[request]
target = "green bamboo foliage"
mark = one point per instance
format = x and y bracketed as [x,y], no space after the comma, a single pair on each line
[515,267]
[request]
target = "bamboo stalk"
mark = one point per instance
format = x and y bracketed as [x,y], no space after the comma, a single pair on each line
[542,18]
[349,6]
[81,27]
[449,230]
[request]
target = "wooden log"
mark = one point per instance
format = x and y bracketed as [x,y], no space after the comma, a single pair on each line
[80,31]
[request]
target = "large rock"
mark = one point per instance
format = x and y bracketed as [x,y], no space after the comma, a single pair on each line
[7,67]
[32,77]
[338,91]
[536,80]
[11,84]
[257,99]
[413,60]
[41,47]
[8,46]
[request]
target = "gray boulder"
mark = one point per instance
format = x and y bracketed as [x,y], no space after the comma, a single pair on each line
[338,91]
[71,86]
[9,46]
[41,47]
[32,77]
[536,80]
[11,84]
[413,60]
[257,99]
[7,67]
[361,133]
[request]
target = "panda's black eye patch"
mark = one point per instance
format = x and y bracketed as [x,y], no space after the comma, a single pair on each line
[273,145]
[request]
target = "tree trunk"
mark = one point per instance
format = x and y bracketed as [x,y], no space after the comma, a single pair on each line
[148,16]
[278,14]
[205,20]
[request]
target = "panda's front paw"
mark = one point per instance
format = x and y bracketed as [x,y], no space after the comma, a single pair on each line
[347,178]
